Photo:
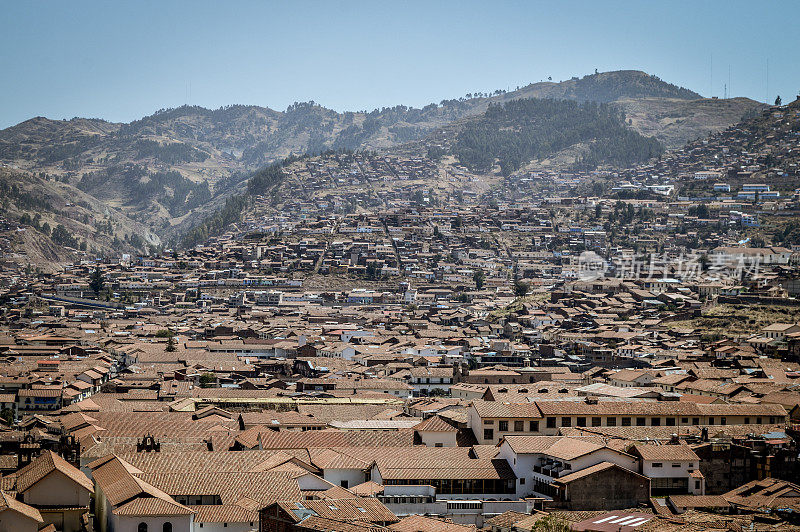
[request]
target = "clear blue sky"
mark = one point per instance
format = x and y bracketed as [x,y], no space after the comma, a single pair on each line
[123,60]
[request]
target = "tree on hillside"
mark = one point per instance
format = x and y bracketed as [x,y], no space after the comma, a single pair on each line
[97,282]
[778,100]
[479,277]
[520,288]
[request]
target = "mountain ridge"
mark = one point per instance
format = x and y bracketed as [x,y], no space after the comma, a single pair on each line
[169,169]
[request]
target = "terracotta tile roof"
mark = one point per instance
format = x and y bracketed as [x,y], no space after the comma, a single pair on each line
[698,501]
[505,519]
[367,489]
[223,513]
[666,452]
[556,446]
[325,524]
[766,493]
[407,469]
[591,470]
[43,466]
[434,424]
[152,507]
[420,523]
[355,509]
[333,438]
[7,502]
[264,487]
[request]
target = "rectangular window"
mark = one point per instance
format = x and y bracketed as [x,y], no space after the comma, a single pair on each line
[488,434]
[345,483]
[758,421]
[534,425]
[551,423]
[640,422]
[503,426]
[676,465]
[711,421]
[695,421]
[684,421]
[566,421]
[519,426]
[522,480]
[670,421]
[488,421]
[723,420]
[655,422]
[657,464]
[611,422]
[581,422]
[596,421]
[626,422]
[772,420]
[747,421]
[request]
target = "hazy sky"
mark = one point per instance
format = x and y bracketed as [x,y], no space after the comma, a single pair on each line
[123,60]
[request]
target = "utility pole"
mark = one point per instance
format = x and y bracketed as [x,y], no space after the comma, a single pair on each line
[711,75]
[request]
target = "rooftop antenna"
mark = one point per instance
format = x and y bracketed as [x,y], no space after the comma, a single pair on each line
[729,80]
[711,74]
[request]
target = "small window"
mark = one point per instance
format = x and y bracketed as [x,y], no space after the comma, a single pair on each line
[676,465]
[488,434]
[711,421]
[723,420]
[566,421]
[747,421]
[695,421]
[519,426]
[167,527]
[670,421]
[758,421]
[656,421]
[522,481]
[438,444]
[640,421]
[534,426]
[596,421]
[551,423]
[658,464]
[580,422]
[697,484]
[503,426]
[142,527]
[611,422]
[626,422]
[345,483]
[684,421]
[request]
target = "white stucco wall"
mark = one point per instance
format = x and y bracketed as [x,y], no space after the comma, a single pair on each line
[354,477]
[430,439]
[154,524]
